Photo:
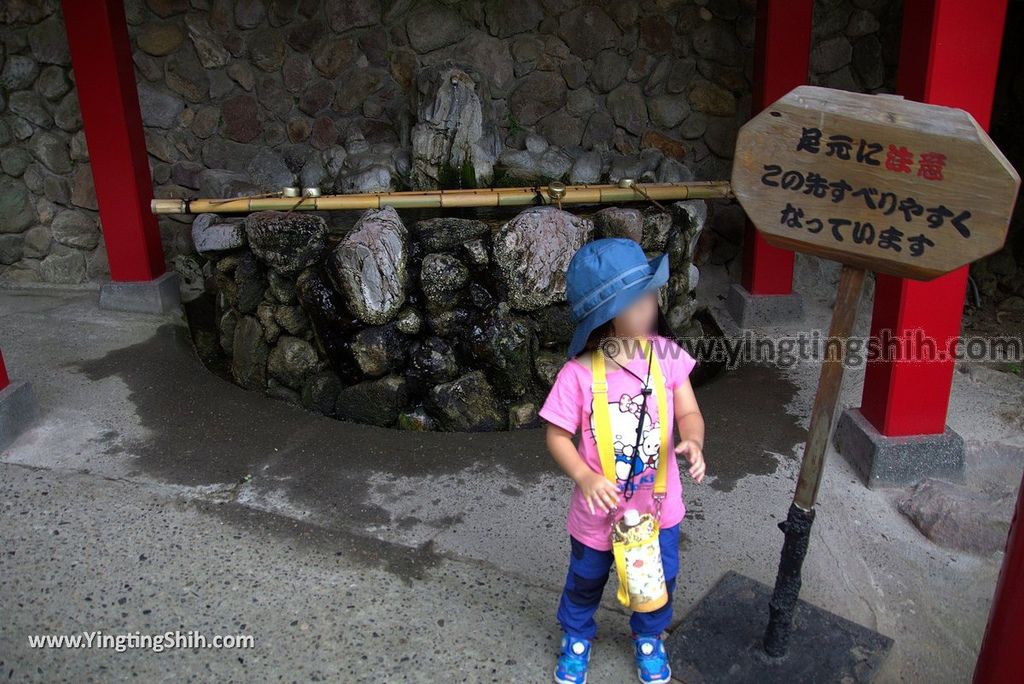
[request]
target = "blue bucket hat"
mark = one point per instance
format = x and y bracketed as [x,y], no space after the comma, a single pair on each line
[604,277]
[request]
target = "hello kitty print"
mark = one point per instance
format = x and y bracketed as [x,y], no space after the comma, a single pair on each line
[642,459]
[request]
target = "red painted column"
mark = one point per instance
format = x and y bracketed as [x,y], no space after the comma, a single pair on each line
[949,55]
[781,58]
[4,379]
[1002,651]
[101,57]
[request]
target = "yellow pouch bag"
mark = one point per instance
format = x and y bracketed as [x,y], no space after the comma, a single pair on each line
[636,547]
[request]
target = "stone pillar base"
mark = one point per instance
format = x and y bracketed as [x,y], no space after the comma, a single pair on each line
[883,461]
[749,310]
[156,296]
[18,411]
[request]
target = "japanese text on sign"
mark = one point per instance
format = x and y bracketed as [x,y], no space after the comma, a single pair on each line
[897,158]
[887,203]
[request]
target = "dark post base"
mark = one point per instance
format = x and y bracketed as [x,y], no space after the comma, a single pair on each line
[797,528]
[720,641]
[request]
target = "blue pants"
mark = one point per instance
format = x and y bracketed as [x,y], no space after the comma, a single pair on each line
[584,584]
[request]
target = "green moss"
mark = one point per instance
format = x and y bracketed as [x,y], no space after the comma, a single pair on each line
[468,174]
[450,178]
[444,177]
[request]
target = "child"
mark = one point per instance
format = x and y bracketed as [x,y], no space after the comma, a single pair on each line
[612,291]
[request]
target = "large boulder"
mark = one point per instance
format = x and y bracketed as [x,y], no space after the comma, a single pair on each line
[292,319]
[502,343]
[623,222]
[16,212]
[688,217]
[249,354]
[532,252]
[286,242]
[224,183]
[587,30]
[432,25]
[12,248]
[537,95]
[250,283]
[378,349]
[66,268]
[441,276]
[554,325]
[445,232]
[467,404]
[448,147]
[368,266]
[320,393]
[333,324]
[292,361]
[75,229]
[957,517]
[657,226]
[433,361]
[376,402]
[211,235]
[371,178]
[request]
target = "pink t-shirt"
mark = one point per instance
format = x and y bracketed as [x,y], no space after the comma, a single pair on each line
[569,405]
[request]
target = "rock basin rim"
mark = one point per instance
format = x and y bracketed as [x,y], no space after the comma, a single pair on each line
[453,324]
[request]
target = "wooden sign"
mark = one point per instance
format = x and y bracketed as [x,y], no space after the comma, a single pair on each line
[874,181]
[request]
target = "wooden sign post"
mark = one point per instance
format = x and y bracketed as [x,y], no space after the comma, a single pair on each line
[877,183]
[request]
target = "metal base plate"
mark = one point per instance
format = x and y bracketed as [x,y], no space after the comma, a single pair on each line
[719,641]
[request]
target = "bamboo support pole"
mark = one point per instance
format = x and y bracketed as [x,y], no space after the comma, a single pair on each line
[555,193]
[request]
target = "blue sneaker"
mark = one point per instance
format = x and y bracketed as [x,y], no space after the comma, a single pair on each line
[651,660]
[573,662]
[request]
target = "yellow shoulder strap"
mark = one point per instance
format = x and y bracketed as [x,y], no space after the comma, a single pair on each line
[664,420]
[602,419]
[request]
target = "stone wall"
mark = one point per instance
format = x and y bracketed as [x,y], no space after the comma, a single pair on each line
[356,95]
[452,324]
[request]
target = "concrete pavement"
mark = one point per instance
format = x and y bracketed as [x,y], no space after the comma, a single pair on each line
[155,496]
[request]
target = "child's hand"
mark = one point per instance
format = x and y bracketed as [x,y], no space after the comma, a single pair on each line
[598,489]
[695,455]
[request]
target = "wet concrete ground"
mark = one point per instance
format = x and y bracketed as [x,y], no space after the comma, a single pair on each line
[155,496]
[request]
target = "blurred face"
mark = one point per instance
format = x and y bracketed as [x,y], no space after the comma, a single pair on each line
[640,317]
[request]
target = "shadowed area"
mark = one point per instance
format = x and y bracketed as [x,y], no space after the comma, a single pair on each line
[747,426]
[203,429]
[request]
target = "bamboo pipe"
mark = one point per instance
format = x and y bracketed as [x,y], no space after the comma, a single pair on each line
[555,193]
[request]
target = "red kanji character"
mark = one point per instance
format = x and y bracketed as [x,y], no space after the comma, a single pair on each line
[899,159]
[930,166]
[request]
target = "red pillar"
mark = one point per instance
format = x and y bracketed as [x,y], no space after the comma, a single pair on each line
[949,55]
[781,57]
[1002,651]
[4,379]
[101,57]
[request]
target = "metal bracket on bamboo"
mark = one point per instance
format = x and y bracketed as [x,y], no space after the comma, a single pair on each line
[555,193]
